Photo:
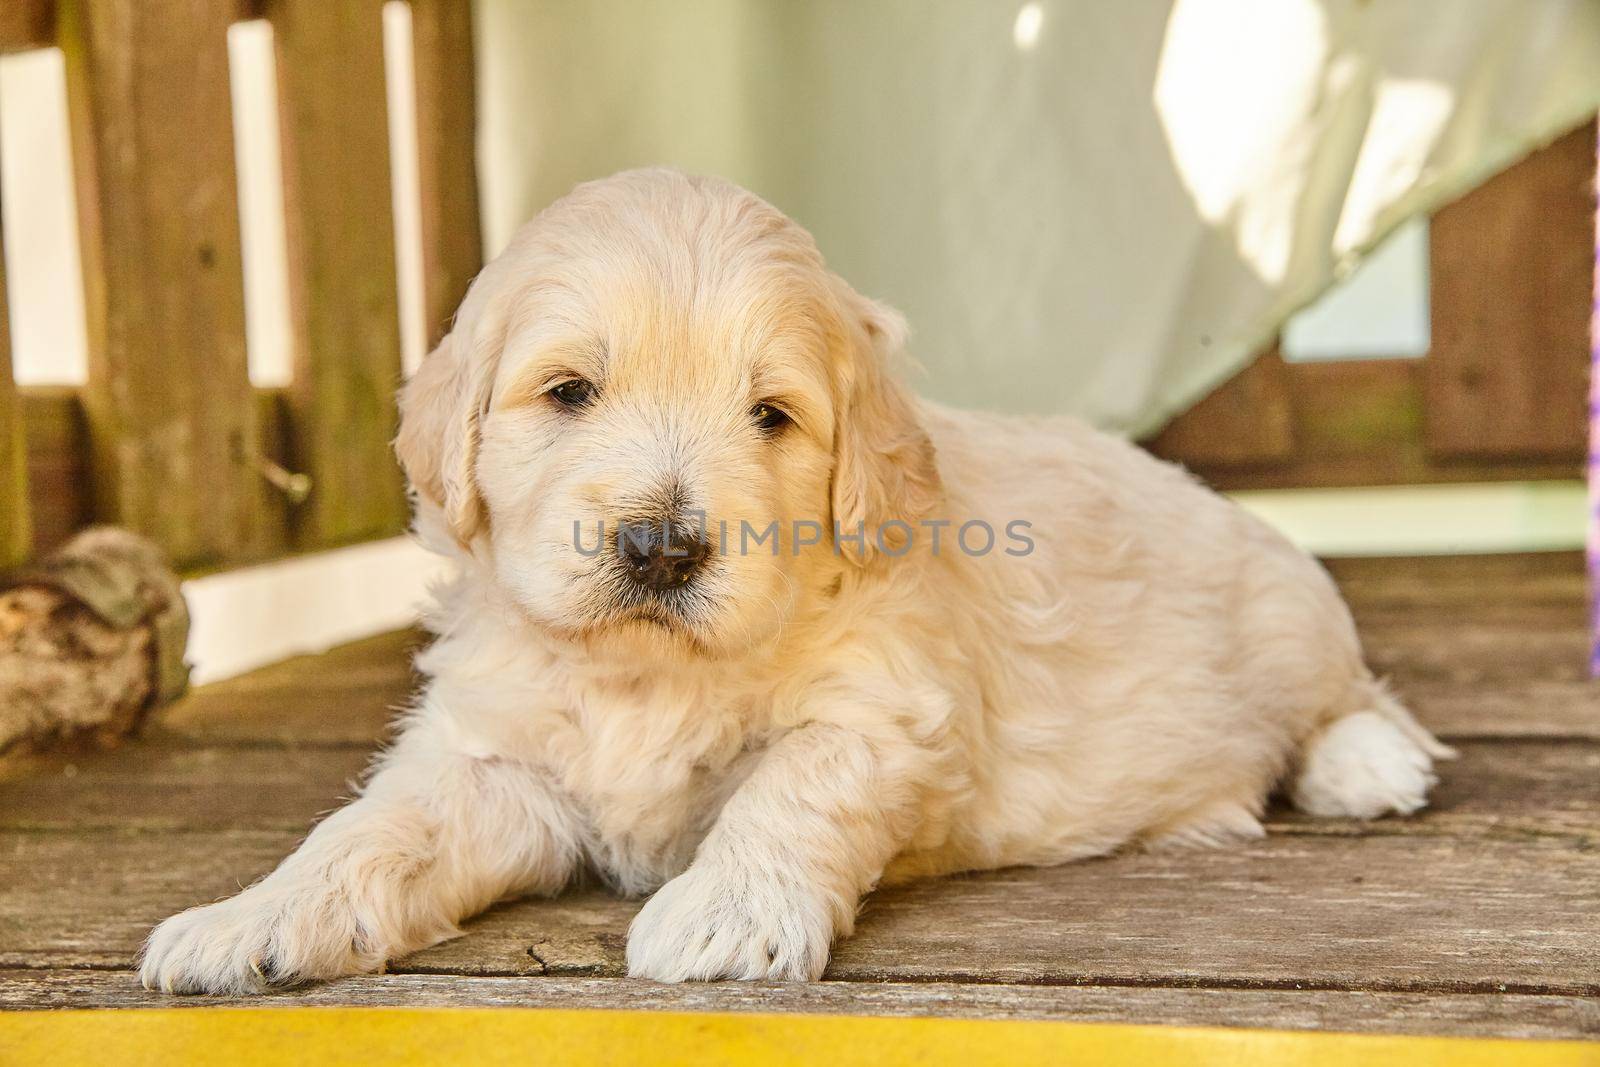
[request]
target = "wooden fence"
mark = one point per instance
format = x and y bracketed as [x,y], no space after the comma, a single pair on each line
[1500,395]
[168,437]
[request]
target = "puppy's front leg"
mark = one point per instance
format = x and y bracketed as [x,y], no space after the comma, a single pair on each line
[436,836]
[781,872]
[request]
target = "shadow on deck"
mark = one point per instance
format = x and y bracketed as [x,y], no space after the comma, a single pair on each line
[1480,916]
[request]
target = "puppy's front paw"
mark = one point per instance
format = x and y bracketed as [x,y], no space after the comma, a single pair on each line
[266,936]
[720,921]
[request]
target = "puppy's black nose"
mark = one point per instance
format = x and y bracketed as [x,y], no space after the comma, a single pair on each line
[661,557]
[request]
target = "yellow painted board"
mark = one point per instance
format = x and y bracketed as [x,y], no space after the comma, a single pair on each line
[400,1037]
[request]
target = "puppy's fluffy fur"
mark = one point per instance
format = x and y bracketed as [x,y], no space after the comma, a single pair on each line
[763,746]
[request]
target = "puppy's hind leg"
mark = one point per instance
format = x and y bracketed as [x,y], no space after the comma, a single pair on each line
[1373,761]
[1215,825]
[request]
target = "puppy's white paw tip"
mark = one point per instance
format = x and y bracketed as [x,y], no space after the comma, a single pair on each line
[704,925]
[1363,766]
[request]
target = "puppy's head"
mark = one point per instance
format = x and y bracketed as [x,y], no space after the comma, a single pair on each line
[650,404]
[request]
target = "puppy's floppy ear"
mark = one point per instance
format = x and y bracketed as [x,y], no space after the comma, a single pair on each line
[884,468]
[440,410]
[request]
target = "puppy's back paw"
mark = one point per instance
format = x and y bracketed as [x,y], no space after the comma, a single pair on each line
[1365,765]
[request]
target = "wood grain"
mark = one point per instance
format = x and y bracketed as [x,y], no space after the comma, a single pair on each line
[343,697]
[1484,1015]
[160,786]
[1353,423]
[1500,395]
[1512,275]
[1508,788]
[1480,646]
[16,523]
[1408,914]
[26,24]
[1480,915]
[1527,708]
[59,465]
[1247,421]
[343,299]
[170,419]
[1315,912]
[447,124]
[61,493]
[1443,584]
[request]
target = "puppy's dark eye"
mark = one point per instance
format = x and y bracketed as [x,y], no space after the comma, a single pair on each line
[769,418]
[576,393]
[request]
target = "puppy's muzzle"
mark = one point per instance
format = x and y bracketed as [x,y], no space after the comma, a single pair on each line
[661,556]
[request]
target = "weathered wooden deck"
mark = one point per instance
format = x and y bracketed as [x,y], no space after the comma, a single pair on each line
[1481,916]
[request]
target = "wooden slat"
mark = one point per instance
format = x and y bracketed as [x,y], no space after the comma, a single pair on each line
[452,249]
[1530,708]
[1444,583]
[1509,788]
[170,414]
[60,489]
[1370,913]
[16,526]
[160,786]
[1247,421]
[1526,788]
[1480,646]
[1476,1015]
[1501,394]
[1404,914]
[1512,263]
[1477,916]
[75,908]
[343,697]
[341,266]
[26,24]
[1355,422]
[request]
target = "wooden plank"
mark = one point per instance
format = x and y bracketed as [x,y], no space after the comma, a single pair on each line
[343,298]
[1401,914]
[1356,422]
[1247,421]
[1376,913]
[89,898]
[1485,1015]
[1500,396]
[1526,709]
[155,786]
[1512,263]
[1446,583]
[1521,788]
[452,247]
[1480,646]
[407,1037]
[1511,789]
[1484,648]
[16,524]
[346,696]
[170,415]
[61,495]
[60,489]
[26,24]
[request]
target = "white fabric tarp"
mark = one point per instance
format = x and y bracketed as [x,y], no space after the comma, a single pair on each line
[1101,207]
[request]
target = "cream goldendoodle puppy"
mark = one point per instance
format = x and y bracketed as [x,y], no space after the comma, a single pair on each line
[741,622]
